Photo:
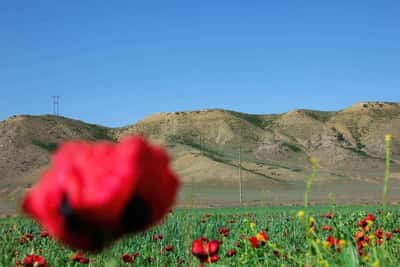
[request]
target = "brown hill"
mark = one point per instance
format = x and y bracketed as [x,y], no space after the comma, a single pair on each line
[26,143]
[205,145]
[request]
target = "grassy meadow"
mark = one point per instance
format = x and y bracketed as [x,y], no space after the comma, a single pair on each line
[296,237]
[332,235]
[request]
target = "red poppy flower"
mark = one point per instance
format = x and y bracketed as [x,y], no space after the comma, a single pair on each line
[224,231]
[79,257]
[96,192]
[33,260]
[25,238]
[370,217]
[329,215]
[44,234]
[332,241]
[327,228]
[362,241]
[388,236]
[169,248]
[127,258]
[366,223]
[231,253]
[260,239]
[379,233]
[157,237]
[204,250]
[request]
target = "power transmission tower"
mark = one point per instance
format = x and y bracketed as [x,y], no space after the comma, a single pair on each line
[56,105]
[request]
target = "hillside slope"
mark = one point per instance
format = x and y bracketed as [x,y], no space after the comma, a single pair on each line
[205,145]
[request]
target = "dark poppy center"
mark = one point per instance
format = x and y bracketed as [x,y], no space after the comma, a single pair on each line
[84,227]
[137,215]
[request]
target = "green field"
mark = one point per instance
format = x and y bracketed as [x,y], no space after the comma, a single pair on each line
[291,240]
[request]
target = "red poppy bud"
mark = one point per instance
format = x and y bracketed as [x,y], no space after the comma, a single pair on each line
[94,193]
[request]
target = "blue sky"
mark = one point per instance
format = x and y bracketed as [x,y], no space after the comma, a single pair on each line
[114,63]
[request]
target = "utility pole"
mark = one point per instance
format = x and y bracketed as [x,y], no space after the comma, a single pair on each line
[56,105]
[201,145]
[240,168]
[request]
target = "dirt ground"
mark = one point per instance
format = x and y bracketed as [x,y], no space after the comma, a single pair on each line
[349,192]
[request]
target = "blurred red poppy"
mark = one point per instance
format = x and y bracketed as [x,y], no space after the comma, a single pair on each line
[95,192]
[169,248]
[327,228]
[33,260]
[205,251]
[388,235]
[231,253]
[259,239]
[127,258]
[79,257]
[25,238]
[329,215]
[44,234]
[366,223]
[331,241]
[224,231]
[157,237]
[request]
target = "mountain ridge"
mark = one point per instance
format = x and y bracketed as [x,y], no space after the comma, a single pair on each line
[204,144]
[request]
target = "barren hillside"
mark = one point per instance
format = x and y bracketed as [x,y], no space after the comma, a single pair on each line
[205,145]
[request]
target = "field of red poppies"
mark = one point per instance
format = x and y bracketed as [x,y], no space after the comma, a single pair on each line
[277,236]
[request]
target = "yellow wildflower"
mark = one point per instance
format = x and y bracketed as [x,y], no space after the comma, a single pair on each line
[324,263]
[300,214]
[326,244]
[342,243]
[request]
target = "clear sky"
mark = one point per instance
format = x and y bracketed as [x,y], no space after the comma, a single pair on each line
[114,63]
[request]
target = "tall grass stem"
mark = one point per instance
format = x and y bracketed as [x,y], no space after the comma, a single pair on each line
[388,140]
[314,165]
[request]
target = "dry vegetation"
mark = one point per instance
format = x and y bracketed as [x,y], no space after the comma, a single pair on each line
[205,144]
